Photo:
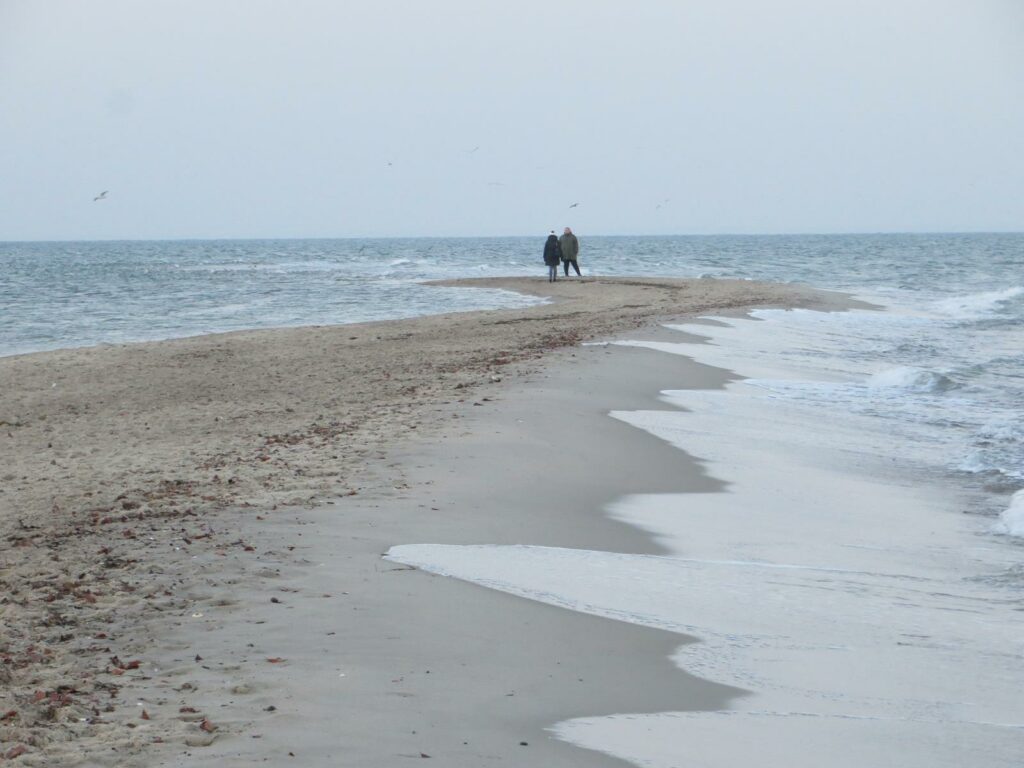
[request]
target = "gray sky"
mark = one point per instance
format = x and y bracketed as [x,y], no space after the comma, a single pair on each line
[309,118]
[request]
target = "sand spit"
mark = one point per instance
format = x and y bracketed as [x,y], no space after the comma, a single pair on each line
[131,478]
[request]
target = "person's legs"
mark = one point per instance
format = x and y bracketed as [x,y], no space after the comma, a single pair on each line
[574,266]
[566,265]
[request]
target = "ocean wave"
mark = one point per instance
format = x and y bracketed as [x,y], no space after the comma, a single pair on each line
[998,449]
[975,463]
[977,305]
[994,473]
[911,380]
[277,268]
[1011,521]
[1002,430]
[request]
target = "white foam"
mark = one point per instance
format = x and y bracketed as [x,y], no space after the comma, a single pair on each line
[973,462]
[831,644]
[919,378]
[1003,430]
[808,344]
[910,379]
[978,305]
[793,740]
[1011,521]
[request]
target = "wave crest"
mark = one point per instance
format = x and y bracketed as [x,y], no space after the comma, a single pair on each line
[977,305]
[1011,521]
[911,380]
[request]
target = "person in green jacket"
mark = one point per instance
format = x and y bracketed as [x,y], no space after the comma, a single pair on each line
[570,251]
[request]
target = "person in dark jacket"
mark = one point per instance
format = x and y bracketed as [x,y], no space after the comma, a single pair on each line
[552,254]
[570,251]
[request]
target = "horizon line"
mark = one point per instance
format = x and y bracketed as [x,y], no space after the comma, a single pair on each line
[864,233]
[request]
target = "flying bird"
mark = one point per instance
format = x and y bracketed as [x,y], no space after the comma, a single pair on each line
[574,205]
[101,196]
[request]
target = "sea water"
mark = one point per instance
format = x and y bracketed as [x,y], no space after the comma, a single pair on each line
[863,575]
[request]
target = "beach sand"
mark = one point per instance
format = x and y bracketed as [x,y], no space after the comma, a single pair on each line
[193,532]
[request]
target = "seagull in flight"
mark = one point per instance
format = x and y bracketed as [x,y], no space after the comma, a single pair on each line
[574,205]
[101,196]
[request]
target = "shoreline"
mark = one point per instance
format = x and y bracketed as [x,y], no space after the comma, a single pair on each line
[446,668]
[139,474]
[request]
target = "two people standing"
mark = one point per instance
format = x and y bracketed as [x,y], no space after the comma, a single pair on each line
[565,249]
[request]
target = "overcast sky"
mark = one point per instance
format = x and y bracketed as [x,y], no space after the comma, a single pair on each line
[311,118]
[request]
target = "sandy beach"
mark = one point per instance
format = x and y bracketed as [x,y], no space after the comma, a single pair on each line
[193,532]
